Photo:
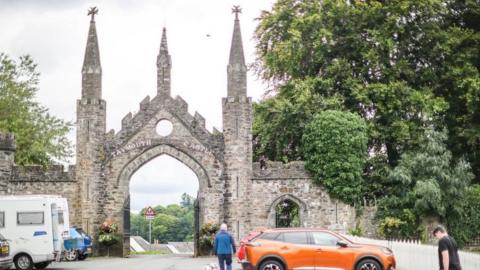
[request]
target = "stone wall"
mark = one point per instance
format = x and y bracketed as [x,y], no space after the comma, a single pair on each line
[276,181]
[366,222]
[52,180]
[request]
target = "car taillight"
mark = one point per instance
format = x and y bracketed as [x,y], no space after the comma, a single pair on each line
[253,244]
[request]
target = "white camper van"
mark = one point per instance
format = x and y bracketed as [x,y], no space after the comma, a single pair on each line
[31,224]
[63,214]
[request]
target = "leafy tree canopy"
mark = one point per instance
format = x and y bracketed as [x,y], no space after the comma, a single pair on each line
[401,65]
[40,137]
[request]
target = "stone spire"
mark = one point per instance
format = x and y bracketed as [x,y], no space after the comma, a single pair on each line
[237,135]
[164,66]
[237,70]
[92,70]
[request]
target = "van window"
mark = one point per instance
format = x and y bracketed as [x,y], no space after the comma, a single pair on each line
[2,219]
[30,218]
[60,217]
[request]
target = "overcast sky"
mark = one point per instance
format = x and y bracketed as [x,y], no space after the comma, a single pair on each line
[54,33]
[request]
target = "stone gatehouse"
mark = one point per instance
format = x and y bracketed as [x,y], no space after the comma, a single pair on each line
[232,188]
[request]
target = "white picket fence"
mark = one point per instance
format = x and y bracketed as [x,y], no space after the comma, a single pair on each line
[413,255]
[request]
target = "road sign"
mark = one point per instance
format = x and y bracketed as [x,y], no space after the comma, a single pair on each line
[150,213]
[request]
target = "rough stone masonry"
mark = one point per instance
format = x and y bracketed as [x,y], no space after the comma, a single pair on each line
[232,188]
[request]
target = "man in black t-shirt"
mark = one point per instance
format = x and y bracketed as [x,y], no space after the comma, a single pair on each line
[447,250]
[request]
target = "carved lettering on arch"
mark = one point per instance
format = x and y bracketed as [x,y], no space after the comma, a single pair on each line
[132,146]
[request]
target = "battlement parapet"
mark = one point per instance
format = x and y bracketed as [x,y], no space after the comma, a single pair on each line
[7,142]
[37,173]
[266,170]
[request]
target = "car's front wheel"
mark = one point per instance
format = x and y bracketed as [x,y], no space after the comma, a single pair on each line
[23,262]
[368,264]
[71,255]
[271,265]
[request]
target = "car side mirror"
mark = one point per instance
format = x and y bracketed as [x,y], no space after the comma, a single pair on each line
[342,244]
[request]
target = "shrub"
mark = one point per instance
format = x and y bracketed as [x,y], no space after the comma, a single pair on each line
[335,148]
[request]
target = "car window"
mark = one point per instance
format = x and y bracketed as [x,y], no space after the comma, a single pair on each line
[324,239]
[2,219]
[295,237]
[269,236]
[2,238]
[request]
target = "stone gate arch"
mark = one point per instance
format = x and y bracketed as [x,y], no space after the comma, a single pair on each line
[138,142]
[303,211]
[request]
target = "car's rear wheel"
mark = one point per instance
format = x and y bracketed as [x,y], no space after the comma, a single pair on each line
[368,264]
[271,265]
[23,262]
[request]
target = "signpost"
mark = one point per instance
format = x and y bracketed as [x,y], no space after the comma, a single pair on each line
[150,215]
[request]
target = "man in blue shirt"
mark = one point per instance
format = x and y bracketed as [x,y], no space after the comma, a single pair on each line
[224,247]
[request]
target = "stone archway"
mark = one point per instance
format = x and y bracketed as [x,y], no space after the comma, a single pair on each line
[123,181]
[302,211]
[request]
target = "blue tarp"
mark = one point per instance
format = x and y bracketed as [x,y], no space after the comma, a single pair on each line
[74,233]
[76,240]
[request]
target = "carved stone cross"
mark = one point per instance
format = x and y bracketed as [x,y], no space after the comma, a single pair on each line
[92,12]
[236,10]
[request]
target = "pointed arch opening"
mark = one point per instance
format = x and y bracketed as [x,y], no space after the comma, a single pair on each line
[287,211]
[170,187]
[161,181]
[287,214]
[154,178]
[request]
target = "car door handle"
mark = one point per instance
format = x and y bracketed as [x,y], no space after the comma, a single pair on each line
[284,248]
[319,250]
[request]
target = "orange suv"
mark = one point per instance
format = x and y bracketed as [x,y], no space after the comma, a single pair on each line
[282,249]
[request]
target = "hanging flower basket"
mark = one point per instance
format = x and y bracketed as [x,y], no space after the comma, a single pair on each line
[108,235]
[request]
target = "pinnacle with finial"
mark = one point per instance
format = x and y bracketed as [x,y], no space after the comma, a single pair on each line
[236,49]
[92,12]
[236,10]
[163,43]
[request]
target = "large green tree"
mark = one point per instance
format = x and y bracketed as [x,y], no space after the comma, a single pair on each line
[402,65]
[424,185]
[335,146]
[40,137]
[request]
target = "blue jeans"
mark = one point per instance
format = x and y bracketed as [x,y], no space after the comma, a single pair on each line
[225,258]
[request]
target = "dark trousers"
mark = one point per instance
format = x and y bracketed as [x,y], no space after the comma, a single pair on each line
[225,259]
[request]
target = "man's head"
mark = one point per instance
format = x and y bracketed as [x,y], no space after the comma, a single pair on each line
[439,232]
[223,227]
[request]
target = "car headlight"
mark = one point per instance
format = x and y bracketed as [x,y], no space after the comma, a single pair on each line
[387,251]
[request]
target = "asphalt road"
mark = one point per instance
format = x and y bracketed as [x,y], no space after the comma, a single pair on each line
[140,262]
